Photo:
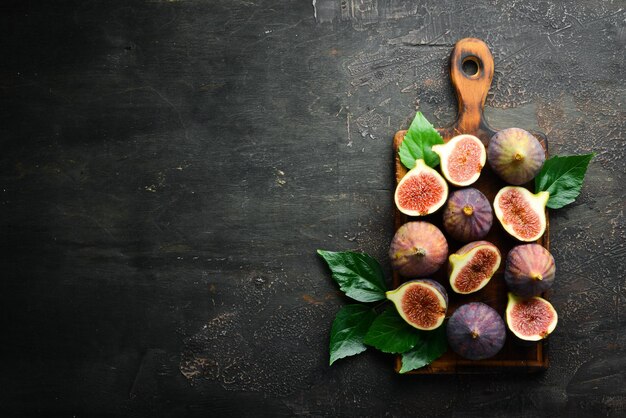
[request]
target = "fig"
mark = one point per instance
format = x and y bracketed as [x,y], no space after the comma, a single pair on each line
[472,266]
[421,303]
[515,155]
[529,270]
[467,215]
[521,213]
[476,331]
[418,249]
[462,158]
[421,191]
[530,319]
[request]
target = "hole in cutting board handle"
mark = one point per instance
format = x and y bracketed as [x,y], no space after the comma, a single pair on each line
[471,66]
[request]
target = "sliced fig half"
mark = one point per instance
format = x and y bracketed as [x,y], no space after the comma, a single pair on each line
[530,319]
[529,270]
[521,213]
[418,249]
[421,191]
[421,303]
[462,159]
[473,265]
[476,331]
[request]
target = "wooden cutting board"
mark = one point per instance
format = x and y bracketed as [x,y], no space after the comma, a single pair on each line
[471,72]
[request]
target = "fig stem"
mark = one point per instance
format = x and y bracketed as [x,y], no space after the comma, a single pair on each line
[537,276]
[518,157]
[468,210]
[474,334]
[412,251]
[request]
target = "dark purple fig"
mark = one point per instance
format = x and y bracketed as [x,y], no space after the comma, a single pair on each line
[521,213]
[462,159]
[421,303]
[421,191]
[515,155]
[473,265]
[467,216]
[530,319]
[476,331]
[418,249]
[529,270]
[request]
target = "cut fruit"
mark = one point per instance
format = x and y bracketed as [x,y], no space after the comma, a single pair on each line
[473,265]
[521,213]
[421,191]
[467,215]
[530,319]
[421,303]
[418,249]
[462,158]
[476,331]
[515,155]
[529,270]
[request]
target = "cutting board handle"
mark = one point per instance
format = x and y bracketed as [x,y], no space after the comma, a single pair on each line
[471,72]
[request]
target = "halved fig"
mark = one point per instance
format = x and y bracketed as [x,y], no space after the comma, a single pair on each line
[421,303]
[521,213]
[530,319]
[476,331]
[462,158]
[467,215]
[472,266]
[421,191]
[515,155]
[418,249]
[529,270]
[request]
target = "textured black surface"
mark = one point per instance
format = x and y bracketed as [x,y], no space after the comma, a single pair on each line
[168,169]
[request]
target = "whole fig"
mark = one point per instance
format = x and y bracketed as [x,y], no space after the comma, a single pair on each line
[529,270]
[467,215]
[418,249]
[515,155]
[476,331]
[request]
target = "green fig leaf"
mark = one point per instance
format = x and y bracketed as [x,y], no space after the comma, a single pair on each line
[391,334]
[431,345]
[562,177]
[349,329]
[418,142]
[359,275]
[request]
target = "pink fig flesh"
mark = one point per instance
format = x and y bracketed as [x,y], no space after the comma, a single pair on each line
[530,319]
[473,266]
[421,191]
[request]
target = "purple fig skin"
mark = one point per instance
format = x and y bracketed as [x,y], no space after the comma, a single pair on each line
[515,155]
[529,270]
[468,215]
[476,331]
[418,249]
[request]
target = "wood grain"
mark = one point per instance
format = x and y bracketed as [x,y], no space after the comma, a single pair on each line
[471,92]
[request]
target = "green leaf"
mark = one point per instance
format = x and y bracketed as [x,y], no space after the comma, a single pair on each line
[562,177]
[358,275]
[349,328]
[431,346]
[390,334]
[418,142]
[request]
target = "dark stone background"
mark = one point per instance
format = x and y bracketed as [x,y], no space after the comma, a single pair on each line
[168,169]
